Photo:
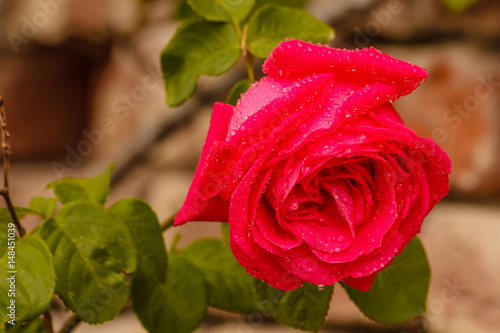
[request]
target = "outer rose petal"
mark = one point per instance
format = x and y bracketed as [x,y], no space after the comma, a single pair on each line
[269,271]
[202,203]
[362,283]
[259,95]
[295,59]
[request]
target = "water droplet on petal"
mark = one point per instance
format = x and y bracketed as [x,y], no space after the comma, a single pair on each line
[321,287]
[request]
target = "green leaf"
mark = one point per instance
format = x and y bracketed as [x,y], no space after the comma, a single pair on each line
[5,219]
[222,10]
[94,189]
[93,255]
[197,48]
[178,306]
[230,288]
[261,3]
[35,326]
[225,234]
[238,89]
[184,11]
[288,3]
[33,272]
[458,6]
[273,24]
[43,206]
[5,231]
[149,243]
[399,292]
[304,308]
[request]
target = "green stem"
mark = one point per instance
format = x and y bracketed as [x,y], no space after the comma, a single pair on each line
[32,231]
[249,65]
[71,324]
[247,55]
[177,239]
[168,222]
[236,25]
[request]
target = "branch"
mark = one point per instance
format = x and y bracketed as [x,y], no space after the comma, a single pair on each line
[47,321]
[7,152]
[71,324]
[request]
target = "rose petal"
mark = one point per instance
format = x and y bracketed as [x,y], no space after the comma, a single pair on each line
[258,96]
[362,283]
[290,61]
[202,201]
[268,270]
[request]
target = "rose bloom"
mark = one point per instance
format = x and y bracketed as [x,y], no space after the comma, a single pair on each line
[314,170]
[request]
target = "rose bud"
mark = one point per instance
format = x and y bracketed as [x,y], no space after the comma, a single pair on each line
[314,170]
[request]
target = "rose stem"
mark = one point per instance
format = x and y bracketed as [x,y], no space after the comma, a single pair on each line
[168,222]
[247,55]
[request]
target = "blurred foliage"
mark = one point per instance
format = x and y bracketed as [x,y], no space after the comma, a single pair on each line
[458,6]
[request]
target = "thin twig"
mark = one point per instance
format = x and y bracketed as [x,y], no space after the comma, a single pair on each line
[47,321]
[71,324]
[4,192]
[7,152]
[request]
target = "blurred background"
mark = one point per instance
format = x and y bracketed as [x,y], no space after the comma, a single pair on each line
[82,88]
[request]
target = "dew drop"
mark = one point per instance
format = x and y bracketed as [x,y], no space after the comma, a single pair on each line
[321,287]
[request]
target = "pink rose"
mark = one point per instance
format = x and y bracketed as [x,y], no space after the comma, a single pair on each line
[314,170]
